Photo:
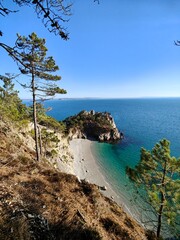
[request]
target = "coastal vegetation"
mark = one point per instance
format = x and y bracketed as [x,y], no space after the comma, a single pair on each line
[12,109]
[11,106]
[88,117]
[156,178]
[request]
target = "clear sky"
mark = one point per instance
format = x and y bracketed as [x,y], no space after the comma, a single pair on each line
[117,49]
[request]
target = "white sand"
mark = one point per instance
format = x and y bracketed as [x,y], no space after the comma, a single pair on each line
[86,167]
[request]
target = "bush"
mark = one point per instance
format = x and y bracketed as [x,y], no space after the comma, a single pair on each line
[114,228]
[51,123]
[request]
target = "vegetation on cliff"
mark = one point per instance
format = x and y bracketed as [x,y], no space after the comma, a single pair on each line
[45,204]
[11,106]
[93,125]
[39,202]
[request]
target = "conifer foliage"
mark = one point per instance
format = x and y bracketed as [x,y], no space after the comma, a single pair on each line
[157,179]
[11,106]
[53,13]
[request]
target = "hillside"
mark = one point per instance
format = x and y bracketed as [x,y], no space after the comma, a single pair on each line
[40,202]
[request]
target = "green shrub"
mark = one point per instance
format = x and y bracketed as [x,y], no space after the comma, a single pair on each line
[53,153]
[51,123]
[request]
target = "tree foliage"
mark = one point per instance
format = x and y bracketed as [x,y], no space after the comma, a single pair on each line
[157,175]
[10,104]
[7,89]
[53,13]
[31,53]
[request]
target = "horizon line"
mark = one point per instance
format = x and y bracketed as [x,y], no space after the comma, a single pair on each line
[69,98]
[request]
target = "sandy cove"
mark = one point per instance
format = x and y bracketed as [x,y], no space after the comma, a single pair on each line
[86,167]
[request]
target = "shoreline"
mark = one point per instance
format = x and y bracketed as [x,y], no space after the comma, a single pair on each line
[85,166]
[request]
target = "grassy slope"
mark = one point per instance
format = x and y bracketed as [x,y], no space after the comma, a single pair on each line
[39,202]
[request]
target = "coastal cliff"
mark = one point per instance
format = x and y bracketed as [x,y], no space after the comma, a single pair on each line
[93,125]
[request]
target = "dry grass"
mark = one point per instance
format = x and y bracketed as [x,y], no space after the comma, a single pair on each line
[38,202]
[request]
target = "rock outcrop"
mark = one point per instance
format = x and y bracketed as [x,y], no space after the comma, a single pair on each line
[99,126]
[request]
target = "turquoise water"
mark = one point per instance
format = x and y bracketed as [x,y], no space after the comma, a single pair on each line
[143,122]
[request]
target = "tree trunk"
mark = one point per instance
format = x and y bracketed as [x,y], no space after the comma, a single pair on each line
[40,140]
[160,212]
[35,118]
[160,215]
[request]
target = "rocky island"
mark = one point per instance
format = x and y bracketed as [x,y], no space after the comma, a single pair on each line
[93,125]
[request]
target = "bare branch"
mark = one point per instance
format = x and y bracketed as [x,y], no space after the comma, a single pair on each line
[97,1]
[53,13]
[177,43]
[13,54]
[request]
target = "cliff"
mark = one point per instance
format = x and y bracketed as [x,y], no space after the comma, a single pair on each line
[93,125]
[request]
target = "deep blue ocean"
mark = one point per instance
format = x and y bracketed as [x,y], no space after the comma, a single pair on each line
[143,121]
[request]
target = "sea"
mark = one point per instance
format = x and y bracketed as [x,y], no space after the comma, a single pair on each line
[143,122]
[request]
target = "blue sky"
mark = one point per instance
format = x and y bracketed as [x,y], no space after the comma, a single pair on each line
[117,49]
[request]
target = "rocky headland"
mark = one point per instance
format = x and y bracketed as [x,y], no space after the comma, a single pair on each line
[93,125]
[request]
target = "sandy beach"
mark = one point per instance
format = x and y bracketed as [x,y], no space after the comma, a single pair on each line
[86,167]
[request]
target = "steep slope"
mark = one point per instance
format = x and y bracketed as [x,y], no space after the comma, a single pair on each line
[39,202]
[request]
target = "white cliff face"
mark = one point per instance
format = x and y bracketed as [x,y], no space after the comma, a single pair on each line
[76,133]
[113,135]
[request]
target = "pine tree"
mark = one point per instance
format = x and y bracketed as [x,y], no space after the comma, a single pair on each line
[30,55]
[157,176]
[10,104]
[7,89]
